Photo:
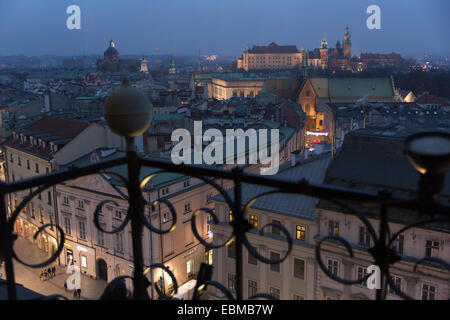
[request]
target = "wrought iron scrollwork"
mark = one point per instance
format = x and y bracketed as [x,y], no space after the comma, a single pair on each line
[383,240]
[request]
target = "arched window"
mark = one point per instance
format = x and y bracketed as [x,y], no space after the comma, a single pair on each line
[308,93]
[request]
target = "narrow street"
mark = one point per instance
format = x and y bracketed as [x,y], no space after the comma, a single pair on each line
[29,277]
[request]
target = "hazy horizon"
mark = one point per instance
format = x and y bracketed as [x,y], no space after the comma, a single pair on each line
[180,27]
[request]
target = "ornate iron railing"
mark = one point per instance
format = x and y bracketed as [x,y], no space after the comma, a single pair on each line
[382,252]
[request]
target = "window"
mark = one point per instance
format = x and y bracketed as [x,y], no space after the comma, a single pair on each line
[275,292]
[187,207]
[333,266]
[49,197]
[275,256]
[231,250]
[428,292]
[119,241]
[275,229]
[361,272]
[41,216]
[100,238]
[333,228]
[209,257]
[398,244]
[82,227]
[254,221]
[65,201]
[297,297]
[190,268]
[80,204]
[28,164]
[398,283]
[40,196]
[432,248]
[67,226]
[165,191]
[252,259]
[11,158]
[299,268]
[19,162]
[252,288]
[83,261]
[186,183]
[231,281]
[37,167]
[364,236]
[208,197]
[166,217]
[300,232]
[33,212]
[118,214]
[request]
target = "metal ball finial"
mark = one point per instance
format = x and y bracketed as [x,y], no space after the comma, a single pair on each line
[128,111]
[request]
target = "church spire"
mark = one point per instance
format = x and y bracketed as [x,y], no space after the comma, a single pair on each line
[324,44]
[347,38]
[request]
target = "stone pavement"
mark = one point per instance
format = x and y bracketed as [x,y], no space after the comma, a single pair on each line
[29,277]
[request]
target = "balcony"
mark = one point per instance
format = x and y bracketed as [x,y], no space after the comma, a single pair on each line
[432,168]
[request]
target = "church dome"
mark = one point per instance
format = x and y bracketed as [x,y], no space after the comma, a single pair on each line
[111,51]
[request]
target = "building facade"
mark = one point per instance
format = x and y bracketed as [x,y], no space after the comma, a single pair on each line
[271,56]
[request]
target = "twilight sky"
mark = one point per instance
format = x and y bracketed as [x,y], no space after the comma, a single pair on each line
[224,27]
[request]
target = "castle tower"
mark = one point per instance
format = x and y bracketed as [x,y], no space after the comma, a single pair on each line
[324,53]
[347,44]
[172,69]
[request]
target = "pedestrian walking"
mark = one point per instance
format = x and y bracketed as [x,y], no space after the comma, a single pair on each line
[49,272]
[54,271]
[45,274]
[79,293]
[41,276]
[75,295]
[65,285]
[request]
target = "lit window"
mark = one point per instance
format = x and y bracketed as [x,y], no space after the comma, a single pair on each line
[84,261]
[254,221]
[300,232]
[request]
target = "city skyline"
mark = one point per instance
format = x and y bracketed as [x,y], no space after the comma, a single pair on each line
[186,27]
